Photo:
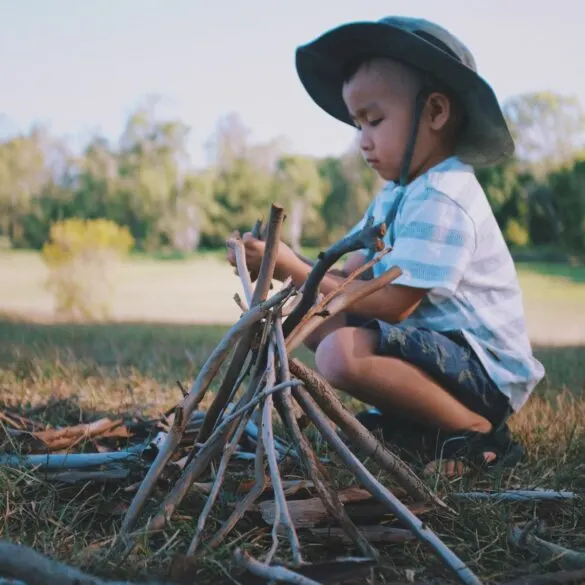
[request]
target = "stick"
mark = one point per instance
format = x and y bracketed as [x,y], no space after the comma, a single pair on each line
[244,505]
[230,449]
[237,245]
[268,440]
[25,564]
[425,535]
[519,496]
[316,471]
[243,347]
[327,400]
[368,237]
[61,461]
[271,573]
[340,304]
[318,307]
[183,412]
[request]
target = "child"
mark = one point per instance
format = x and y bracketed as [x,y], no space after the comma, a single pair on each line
[442,352]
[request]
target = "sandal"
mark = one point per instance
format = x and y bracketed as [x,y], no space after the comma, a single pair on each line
[470,446]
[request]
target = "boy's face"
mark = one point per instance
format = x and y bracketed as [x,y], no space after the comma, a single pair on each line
[380,97]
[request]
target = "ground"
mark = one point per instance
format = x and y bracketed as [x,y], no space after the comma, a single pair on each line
[123,367]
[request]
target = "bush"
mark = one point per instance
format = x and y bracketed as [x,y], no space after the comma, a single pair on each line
[516,234]
[82,256]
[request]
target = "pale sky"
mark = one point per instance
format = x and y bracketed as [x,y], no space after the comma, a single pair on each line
[80,66]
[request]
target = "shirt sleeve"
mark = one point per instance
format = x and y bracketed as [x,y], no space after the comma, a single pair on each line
[434,241]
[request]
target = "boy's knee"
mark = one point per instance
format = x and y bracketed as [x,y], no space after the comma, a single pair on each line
[338,356]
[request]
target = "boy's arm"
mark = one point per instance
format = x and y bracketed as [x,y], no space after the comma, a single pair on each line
[392,303]
[352,263]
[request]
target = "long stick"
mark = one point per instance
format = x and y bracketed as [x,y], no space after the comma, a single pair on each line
[327,400]
[339,304]
[384,496]
[316,472]
[243,347]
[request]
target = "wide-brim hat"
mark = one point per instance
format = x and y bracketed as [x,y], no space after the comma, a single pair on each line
[485,139]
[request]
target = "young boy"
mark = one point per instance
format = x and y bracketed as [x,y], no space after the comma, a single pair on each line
[442,352]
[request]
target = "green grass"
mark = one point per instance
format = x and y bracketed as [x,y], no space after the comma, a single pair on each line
[133,367]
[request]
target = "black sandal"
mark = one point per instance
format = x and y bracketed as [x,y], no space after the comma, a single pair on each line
[470,447]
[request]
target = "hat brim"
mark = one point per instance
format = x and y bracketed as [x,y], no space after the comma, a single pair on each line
[485,140]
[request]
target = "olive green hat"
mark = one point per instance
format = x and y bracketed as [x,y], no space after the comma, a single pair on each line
[485,138]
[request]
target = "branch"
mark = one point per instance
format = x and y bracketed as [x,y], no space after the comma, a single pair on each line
[280,498]
[243,347]
[237,245]
[319,306]
[316,472]
[368,237]
[271,573]
[327,400]
[339,304]
[424,534]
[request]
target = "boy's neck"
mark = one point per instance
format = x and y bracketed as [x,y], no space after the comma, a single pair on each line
[432,160]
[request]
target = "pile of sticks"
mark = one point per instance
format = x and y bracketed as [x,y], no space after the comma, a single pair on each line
[262,378]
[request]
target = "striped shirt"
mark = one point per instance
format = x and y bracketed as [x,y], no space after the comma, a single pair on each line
[446,239]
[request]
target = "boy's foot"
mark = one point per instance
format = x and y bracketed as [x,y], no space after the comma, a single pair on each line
[452,455]
[460,453]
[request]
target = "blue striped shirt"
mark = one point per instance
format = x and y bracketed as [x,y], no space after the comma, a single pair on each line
[446,239]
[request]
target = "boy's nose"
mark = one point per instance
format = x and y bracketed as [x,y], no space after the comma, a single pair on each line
[366,143]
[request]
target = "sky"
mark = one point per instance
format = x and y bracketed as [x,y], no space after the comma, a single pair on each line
[81,66]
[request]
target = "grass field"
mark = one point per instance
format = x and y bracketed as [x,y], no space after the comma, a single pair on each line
[127,367]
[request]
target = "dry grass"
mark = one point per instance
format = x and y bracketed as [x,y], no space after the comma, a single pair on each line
[123,368]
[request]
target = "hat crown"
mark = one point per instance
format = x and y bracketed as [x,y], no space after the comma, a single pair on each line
[434,34]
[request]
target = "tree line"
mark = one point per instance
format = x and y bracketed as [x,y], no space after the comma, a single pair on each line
[145,182]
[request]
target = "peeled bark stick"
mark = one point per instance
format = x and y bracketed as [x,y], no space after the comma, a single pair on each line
[327,400]
[271,573]
[268,440]
[188,405]
[243,347]
[237,246]
[315,469]
[369,237]
[339,304]
[423,533]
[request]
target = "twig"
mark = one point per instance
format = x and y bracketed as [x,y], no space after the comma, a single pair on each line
[271,573]
[237,245]
[554,578]
[244,505]
[241,303]
[339,304]
[327,400]
[243,347]
[316,471]
[546,551]
[368,237]
[519,496]
[425,535]
[268,440]
[183,412]
[246,411]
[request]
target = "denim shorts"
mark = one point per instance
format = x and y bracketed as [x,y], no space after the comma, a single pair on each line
[448,359]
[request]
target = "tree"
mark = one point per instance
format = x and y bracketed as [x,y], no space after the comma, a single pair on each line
[300,188]
[548,128]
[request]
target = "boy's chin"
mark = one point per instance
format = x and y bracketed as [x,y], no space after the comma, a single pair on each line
[388,175]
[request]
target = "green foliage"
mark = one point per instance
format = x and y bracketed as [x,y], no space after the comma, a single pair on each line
[145,181]
[81,256]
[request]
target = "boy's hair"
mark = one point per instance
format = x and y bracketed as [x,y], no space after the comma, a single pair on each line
[424,80]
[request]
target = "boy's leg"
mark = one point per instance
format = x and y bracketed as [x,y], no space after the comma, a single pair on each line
[395,376]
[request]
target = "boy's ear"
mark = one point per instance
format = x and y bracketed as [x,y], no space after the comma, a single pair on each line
[439,110]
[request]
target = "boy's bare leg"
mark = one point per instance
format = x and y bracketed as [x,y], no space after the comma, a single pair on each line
[347,359]
[314,339]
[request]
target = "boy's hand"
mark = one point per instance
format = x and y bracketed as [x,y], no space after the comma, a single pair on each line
[254,248]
